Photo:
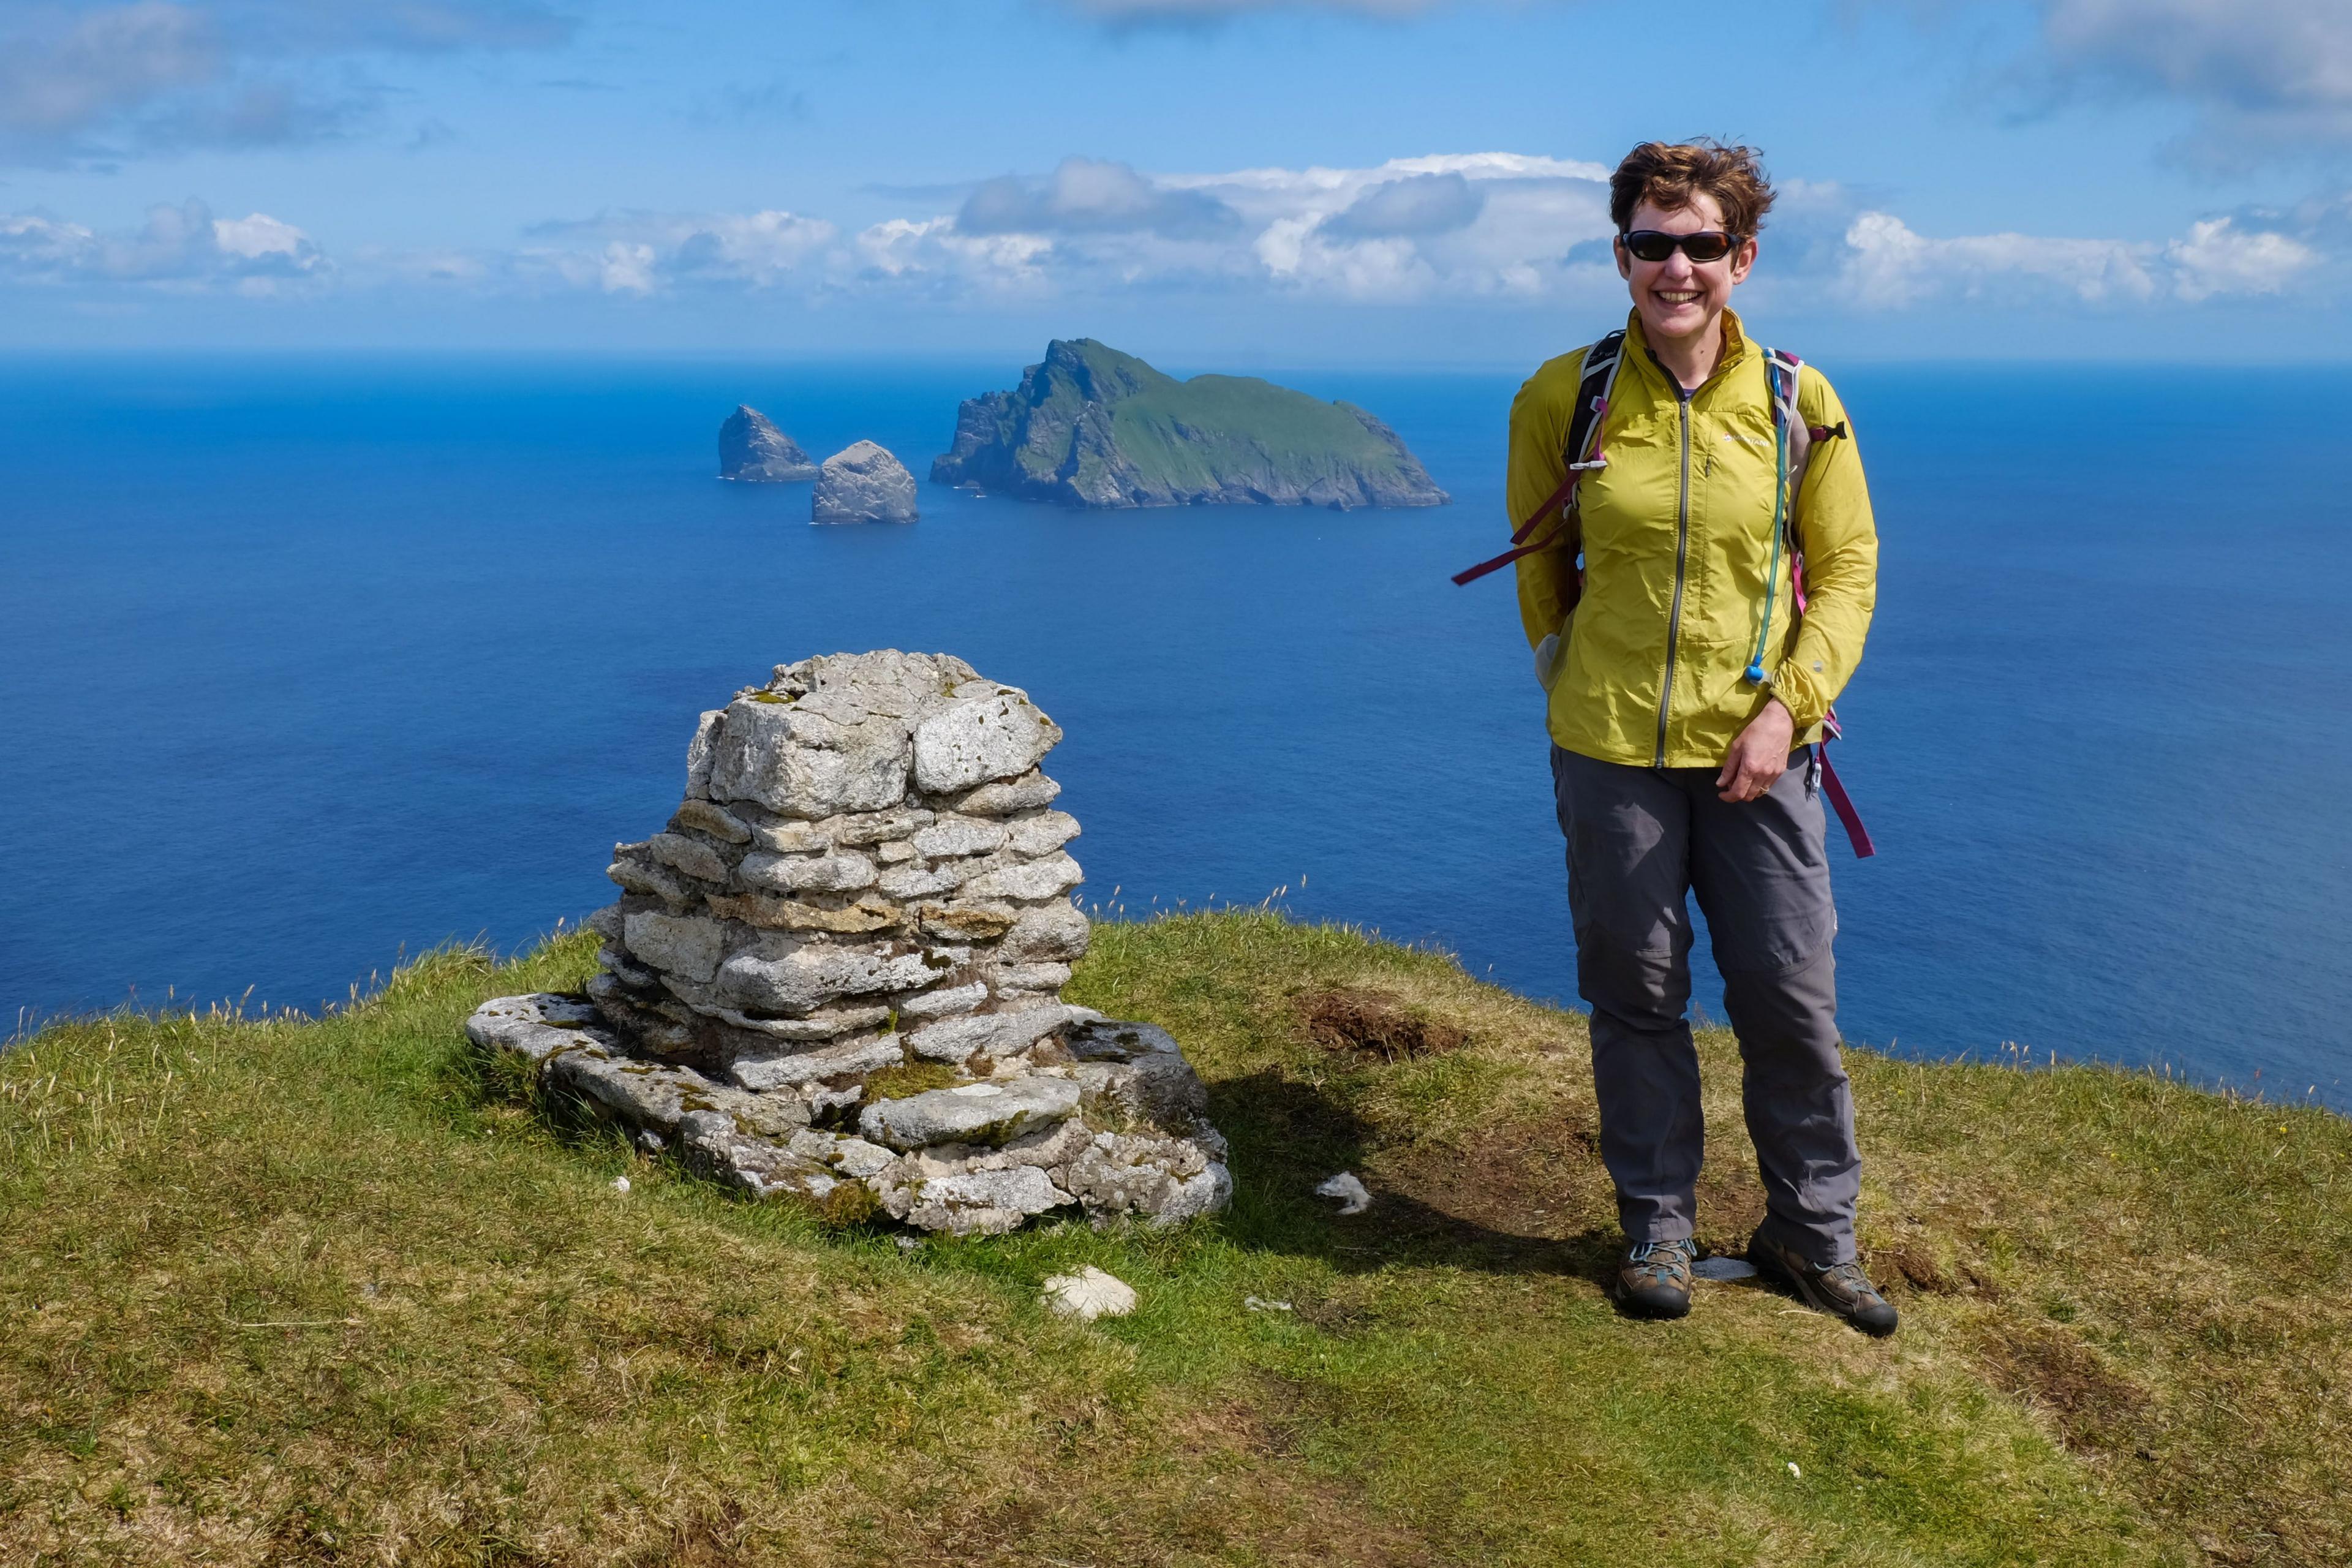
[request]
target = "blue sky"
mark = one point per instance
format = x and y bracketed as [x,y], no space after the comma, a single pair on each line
[1371,181]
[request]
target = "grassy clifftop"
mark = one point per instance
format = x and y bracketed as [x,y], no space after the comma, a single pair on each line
[275,1291]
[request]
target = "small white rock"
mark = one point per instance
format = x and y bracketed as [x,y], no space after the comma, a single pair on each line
[1351,1194]
[620,1184]
[1794,1471]
[1088,1294]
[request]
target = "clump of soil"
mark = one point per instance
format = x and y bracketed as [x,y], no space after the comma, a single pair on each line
[1370,1025]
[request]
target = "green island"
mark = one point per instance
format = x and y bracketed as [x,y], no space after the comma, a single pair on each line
[1090,426]
[278,1290]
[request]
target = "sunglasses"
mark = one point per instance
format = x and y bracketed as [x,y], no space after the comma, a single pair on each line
[1656,245]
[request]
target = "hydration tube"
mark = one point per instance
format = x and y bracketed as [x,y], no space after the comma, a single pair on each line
[1755,671]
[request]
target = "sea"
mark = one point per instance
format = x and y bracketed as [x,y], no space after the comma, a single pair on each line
[310,663]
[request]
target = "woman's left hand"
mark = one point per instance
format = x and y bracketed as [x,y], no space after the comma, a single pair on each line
[1759,756]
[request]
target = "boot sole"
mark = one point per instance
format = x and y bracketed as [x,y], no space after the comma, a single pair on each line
[1662,1311]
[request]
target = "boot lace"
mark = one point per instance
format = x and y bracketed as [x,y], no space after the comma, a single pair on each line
[1663,1261]
[1856,1282]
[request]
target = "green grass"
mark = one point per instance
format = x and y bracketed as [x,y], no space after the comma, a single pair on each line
[283,1292]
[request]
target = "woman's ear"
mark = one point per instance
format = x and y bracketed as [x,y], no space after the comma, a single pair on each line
[1625,258]
[1743,260]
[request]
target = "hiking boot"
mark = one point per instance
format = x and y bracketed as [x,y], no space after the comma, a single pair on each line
[1842,1289]
[1654,1279]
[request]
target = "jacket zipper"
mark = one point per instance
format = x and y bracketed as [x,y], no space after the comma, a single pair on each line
[1682,561]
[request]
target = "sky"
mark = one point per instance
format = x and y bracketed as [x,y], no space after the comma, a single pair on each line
[1400,182]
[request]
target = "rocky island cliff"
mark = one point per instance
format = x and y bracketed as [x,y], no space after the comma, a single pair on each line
[751,448]
[1091,427]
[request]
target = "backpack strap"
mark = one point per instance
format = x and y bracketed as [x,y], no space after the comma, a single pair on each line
[1792,441]
[1581,454]
[1781,376]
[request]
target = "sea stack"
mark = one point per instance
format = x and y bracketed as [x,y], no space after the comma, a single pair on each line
[863,483]
[1091,427]
[751,448]
[835,975]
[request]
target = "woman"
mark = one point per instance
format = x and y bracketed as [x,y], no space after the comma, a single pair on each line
[1682,685]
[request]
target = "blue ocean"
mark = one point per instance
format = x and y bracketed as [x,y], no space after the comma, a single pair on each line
[310,662]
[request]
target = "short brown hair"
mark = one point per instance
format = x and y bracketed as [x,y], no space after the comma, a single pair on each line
[1667,174]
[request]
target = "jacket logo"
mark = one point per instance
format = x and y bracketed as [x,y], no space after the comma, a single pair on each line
[1746,440]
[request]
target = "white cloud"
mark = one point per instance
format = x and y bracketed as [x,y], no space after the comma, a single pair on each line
[2265,78]
[1409,204]
[179,247]
[1889,267]
[84,81]
[1087,196]
[2262,57]
[1500,229]
[642,253]
[934,248]
[2220,257]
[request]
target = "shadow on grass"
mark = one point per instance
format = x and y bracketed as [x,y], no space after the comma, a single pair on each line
[1288,1135]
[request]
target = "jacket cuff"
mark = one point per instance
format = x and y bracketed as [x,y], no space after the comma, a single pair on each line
[1800,697]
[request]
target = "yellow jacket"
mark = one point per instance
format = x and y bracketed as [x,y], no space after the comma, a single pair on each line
[1678,537]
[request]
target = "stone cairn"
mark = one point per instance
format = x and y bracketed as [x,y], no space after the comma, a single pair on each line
[837,975]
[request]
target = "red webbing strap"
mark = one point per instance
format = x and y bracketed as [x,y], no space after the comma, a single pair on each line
[1842,803]
[1586,427]
[1831,786]
[1559,497]
[1834,787]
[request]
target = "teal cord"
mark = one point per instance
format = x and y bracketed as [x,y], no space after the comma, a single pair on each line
[1779,502]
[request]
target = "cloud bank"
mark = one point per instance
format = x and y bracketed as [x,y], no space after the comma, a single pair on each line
[2262,71]
[83,82]
[180,249]
[2264,75]
[1499,228]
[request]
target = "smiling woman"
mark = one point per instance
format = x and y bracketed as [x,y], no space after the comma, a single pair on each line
[1664,607]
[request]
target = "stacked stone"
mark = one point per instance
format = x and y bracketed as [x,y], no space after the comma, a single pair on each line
[867,875]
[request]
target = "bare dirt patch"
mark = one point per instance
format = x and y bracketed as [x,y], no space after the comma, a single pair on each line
[2058,1372]
[1368,1025]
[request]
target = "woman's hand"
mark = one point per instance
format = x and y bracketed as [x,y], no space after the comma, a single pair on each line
[1759,756]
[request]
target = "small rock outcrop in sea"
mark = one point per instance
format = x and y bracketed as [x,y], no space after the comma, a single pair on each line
[863,483]
[1091,427]
[750,447]
[836,974]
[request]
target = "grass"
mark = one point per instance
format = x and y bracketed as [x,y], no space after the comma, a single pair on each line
[275,1292]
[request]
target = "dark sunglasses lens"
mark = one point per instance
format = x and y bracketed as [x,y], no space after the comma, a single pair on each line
[1653,244]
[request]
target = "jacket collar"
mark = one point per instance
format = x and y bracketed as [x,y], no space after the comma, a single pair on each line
[1637,350]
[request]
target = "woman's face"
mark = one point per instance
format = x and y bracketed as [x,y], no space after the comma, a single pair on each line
[1679,299]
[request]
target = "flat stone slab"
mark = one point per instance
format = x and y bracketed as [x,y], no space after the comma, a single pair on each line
[985,1113]
[537,1025]
[985,1202]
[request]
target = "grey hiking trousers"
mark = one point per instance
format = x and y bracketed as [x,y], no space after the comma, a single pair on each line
[1639,841]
